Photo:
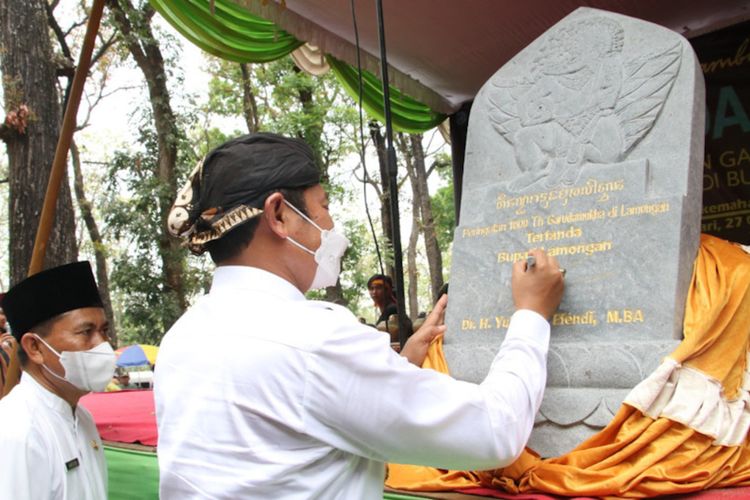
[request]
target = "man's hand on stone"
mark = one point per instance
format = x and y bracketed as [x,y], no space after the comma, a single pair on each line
[415,349]
[538,287]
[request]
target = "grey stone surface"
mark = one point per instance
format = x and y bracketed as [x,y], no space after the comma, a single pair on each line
[589,144]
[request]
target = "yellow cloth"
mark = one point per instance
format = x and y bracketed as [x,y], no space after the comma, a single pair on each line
[112,387]
[636,456]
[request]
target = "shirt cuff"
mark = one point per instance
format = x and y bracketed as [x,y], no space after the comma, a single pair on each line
[528,325]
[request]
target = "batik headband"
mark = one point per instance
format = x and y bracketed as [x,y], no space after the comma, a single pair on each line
[230,185]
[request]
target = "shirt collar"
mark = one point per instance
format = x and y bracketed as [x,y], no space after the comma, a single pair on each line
[254,279]
[47,397]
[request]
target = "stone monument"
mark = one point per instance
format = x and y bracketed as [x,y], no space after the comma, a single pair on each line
[589,144]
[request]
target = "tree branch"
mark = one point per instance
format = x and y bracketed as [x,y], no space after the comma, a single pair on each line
[52,22]
[103,48]
[123,23]
[75,26]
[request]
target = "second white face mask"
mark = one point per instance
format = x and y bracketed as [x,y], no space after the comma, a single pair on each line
[87,370]
[328,255]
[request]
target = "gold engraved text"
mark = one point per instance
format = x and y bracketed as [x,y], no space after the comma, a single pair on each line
[625,316]
[553,235]
[562,318]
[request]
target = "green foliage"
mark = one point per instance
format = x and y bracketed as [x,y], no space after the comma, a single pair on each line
[444,214]
[132,213]
[358,261]
[224,88]
[443,205]
[289,102]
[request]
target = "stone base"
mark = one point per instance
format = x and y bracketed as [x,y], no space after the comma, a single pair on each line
[586,384]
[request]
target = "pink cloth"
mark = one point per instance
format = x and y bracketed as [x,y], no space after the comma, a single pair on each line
[486,492]
[722,494]
[123,416]
[129,417]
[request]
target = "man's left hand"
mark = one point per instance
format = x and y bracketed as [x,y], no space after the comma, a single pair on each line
[415,349]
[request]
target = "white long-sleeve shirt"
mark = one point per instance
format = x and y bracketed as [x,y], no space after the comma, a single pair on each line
[46,450]
[261,393]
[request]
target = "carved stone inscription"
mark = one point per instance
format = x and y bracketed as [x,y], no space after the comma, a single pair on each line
[587,144]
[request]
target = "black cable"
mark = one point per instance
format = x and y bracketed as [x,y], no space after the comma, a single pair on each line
[398,265]
[362,140]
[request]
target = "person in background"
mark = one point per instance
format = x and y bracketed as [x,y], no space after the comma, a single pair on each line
[114,385]
[8,350]
[49,445]
[120,381]
[3,318]
[7,347]
[123,380]
[297,398]
[380,287]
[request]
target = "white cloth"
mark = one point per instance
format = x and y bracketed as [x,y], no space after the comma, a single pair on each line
[39,435]
[261,393]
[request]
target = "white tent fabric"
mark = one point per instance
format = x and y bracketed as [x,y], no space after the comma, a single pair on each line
[311,59]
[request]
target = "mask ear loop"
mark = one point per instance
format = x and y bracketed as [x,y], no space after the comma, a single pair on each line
[48,369]
[299,212]
[291,240]
[45,343]
[299,245]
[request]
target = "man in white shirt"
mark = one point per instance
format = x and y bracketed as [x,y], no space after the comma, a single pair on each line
[261,393]
[49,446]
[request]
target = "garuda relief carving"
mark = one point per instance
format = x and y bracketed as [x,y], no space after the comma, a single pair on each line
[581,102]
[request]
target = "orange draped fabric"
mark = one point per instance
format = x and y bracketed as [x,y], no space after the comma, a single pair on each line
[637,456]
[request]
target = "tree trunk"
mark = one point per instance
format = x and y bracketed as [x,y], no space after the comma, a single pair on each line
[421,192]
[102,276]
[135,25]
[312,133]
[411,252]
[249,105]
[31,131]
[385,205]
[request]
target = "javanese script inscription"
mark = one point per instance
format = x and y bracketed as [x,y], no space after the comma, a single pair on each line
[554,232]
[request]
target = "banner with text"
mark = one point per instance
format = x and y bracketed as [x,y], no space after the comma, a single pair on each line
[725,59]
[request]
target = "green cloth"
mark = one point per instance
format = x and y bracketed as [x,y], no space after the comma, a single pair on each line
[133,475]
[407,114]
[233,33]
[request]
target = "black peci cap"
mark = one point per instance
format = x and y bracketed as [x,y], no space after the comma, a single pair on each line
[49,293]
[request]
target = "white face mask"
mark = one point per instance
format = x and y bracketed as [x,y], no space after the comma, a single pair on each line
[87,370]
[328,255]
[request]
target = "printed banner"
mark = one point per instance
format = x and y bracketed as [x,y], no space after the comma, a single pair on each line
[725,59]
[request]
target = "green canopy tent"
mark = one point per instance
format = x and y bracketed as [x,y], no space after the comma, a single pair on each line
[231,32]
[442,52]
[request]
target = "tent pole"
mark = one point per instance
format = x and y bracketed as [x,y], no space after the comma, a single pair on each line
[58,165]
[63,143]
[398,265]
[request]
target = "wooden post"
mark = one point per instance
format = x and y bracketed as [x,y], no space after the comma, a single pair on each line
[63,143]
